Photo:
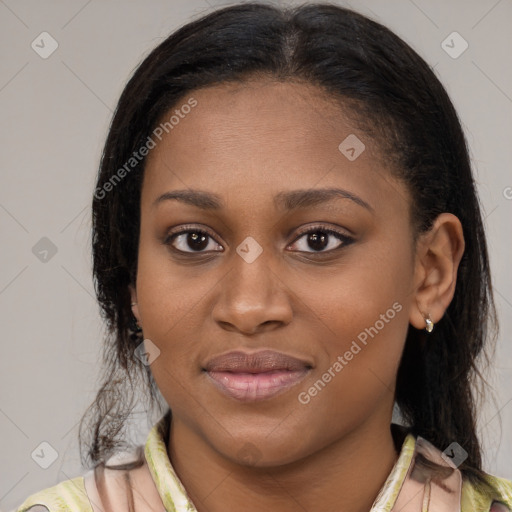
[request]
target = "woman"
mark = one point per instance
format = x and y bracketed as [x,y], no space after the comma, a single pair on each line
[288,244]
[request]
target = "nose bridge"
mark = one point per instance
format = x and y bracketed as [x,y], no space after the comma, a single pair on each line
[251,294]
[251,278]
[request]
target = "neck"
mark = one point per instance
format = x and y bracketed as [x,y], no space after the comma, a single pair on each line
[330,479]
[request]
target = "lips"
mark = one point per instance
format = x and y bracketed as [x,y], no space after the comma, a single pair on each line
[257,376]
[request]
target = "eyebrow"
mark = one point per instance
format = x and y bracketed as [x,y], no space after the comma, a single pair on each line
[289,200]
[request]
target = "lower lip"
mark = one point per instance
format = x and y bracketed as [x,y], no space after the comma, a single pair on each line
[251,387]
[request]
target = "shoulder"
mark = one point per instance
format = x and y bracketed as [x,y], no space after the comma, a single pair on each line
[503,490]
[497,495]
[123,483]
[67,496]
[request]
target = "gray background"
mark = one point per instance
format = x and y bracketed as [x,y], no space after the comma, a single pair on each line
[55,114]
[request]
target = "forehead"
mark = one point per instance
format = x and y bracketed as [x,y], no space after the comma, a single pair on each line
[243,116]
[261,137]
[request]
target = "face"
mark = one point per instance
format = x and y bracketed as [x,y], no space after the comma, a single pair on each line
[257,258]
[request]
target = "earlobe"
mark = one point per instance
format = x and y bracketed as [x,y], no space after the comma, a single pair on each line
[134,303]
[421,318]
[437,261]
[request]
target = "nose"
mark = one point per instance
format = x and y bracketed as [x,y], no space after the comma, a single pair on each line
[252,298]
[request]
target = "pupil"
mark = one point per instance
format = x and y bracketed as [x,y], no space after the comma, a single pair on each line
[197,241]
[318,240]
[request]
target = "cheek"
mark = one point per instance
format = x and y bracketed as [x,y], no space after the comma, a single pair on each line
[167,292]
[169,312]
[371,283]
[363,311]
[355,377]
[169,302]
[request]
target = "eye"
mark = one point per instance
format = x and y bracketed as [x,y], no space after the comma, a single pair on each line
[321,239]
[192,240]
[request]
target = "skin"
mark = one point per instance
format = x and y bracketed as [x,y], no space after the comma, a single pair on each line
[246,143]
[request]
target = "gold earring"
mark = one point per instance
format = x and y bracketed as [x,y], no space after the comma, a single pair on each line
[429,324]
[134,304]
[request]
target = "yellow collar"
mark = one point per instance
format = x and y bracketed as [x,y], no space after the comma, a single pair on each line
[175,498]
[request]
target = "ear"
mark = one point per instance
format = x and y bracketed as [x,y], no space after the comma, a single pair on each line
[438,255]
[134,302]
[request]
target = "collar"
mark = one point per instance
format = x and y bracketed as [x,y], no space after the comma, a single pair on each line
[171,490]
[175,498]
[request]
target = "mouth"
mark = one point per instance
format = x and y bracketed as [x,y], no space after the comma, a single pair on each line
[258,376]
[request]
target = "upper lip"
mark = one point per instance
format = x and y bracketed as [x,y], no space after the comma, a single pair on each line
[257,362]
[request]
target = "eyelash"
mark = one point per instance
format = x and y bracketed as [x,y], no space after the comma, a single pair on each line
[342,237]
